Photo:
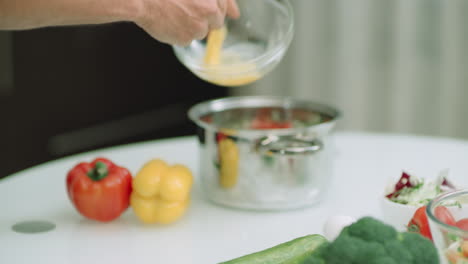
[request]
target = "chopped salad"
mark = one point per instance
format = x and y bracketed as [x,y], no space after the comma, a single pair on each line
[412,190]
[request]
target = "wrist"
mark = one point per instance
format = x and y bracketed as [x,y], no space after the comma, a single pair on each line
[128,10]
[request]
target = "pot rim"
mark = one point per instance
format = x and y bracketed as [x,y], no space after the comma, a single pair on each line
[232,102]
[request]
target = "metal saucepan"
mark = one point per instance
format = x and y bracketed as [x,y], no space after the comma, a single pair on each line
[264,152]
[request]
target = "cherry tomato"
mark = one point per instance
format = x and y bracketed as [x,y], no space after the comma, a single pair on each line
[462,224]
[444,215]
[419,223]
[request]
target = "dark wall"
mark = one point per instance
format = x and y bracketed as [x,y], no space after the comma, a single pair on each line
[81,88]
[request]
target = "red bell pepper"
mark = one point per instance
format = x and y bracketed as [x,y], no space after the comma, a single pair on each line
[99,190]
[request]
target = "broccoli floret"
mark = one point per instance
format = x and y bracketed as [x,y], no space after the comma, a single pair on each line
[421,248]
[369,229]
[369,241]
[383,260]
[397,251]
[346,247]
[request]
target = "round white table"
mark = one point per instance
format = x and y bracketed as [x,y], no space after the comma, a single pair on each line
[207,233]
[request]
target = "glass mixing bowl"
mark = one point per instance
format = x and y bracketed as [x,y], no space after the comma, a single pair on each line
[255,43]
[450,234]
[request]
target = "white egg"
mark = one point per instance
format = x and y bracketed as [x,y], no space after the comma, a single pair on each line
[335,224]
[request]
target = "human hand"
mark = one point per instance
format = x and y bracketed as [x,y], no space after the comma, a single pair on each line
[179,22]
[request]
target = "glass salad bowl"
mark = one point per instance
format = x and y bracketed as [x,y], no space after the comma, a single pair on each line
[448,221]
[250,47]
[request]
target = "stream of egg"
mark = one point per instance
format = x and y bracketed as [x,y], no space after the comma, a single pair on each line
[227,67]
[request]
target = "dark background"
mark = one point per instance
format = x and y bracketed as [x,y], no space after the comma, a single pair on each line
[82,88]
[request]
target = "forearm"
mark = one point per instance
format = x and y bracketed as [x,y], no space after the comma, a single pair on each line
[27,14]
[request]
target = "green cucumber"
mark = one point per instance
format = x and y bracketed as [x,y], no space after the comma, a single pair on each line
[291,252]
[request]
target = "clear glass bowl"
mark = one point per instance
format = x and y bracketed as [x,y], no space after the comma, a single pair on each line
[255,43]
[451,241]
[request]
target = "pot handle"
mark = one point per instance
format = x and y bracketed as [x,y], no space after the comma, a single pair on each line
[288,145]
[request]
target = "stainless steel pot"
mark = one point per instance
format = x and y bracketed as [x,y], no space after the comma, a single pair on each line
[263,152]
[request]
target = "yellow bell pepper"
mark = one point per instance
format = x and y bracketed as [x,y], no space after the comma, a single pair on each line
[161,193]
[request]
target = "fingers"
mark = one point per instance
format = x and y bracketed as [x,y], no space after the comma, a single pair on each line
[232,9]
[181,21]
[216,20]
[202,31]
[222,5]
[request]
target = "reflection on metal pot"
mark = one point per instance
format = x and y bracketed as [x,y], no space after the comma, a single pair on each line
[228,163]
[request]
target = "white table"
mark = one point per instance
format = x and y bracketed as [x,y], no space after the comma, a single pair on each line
[207,233]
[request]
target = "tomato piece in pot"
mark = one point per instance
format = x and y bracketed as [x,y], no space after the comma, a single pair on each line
[220,136]
[263,120]
[269,124]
